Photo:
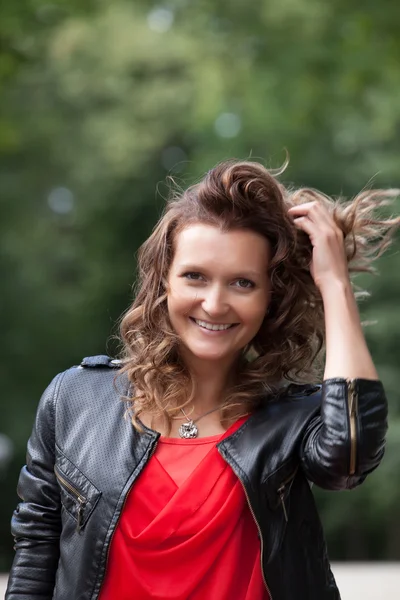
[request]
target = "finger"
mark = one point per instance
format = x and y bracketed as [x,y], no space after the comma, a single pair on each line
[302,208]
[318,233]
[315,211]
[305,224]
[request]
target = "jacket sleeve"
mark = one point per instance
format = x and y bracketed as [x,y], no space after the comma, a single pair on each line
[346,441]
[36,522]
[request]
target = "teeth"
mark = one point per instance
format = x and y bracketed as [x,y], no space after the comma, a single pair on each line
[212,327]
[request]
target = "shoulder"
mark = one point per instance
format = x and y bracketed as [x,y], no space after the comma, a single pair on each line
[296,393]
[91,370]
[302,391]
[275,430]
[300,402]
[89,393]
[100,361]
[86,387]
[94,380]
[99,367]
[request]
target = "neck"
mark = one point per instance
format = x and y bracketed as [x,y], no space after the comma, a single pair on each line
[211,379]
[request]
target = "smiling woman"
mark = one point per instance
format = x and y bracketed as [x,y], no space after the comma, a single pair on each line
[203,492]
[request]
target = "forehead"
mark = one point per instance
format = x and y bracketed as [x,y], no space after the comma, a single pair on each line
[207,245]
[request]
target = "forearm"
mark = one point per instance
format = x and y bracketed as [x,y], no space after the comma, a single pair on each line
[347,353]
[33,572]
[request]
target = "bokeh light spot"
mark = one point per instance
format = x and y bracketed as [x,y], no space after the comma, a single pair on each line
[228,125]
[61,200]
[160,19]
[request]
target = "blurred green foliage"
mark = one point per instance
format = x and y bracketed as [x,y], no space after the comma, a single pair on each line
[100,101]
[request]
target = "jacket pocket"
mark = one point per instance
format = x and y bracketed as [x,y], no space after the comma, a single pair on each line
[283,492]
[78,494]
[278,485]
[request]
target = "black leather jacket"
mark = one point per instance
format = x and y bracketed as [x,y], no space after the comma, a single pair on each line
[83,458]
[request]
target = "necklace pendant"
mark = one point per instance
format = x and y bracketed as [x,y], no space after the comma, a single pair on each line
[188,430]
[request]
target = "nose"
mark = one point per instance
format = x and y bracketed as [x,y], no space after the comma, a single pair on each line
[215,302]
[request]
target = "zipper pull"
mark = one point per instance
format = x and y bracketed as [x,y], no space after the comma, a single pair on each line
[351,384]
[82,504]
[281,491]
[352,400]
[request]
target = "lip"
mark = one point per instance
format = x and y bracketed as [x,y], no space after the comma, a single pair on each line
[213,331]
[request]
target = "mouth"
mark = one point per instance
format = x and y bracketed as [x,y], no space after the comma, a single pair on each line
[207,326]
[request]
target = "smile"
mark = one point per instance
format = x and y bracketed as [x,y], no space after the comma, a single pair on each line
[213,326]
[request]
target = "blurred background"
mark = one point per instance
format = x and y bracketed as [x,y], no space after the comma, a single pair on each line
[101,101]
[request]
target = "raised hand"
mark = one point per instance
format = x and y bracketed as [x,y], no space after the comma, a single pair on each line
[329,263]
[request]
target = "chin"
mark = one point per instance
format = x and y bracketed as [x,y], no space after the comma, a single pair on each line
[211,357]
[208,355]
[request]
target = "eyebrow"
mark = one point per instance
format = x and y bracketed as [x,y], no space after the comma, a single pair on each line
[192,267]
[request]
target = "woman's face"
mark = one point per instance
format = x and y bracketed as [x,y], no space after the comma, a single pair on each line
[218,290]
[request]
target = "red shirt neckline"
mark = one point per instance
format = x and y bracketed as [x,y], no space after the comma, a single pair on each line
[204,440]
[191,441]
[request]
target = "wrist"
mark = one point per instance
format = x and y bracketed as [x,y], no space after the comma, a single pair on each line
[332,286]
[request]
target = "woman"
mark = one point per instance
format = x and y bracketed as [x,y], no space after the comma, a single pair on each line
[203,492]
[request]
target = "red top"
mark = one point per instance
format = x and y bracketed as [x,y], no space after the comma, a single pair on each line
[186,531]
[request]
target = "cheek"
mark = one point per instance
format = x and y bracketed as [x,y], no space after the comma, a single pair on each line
[179,301]
[254,312]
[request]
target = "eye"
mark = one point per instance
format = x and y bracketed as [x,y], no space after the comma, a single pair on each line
[192,276]
[245,283]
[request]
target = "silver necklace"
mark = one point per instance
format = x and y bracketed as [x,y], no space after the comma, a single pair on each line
[190,430]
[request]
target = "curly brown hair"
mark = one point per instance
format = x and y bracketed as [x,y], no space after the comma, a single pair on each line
[289,344]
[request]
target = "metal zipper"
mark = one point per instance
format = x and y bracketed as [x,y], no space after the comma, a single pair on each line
[257,525]
[352,400]
[120,512]
[260,535]
[81,499]
[281,492]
